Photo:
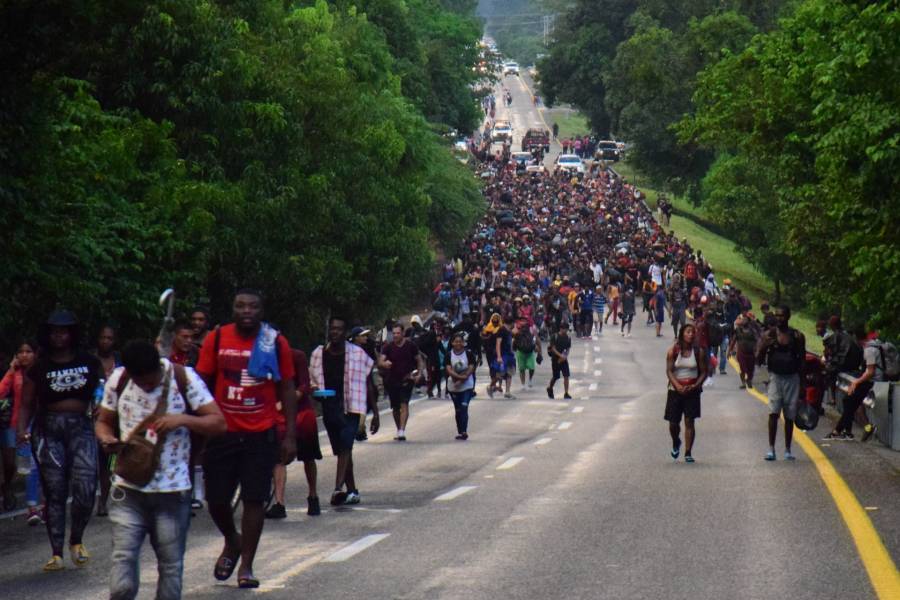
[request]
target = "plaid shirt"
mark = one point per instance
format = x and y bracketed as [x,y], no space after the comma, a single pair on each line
[357,366]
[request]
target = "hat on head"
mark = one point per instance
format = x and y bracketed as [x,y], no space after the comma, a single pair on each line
[62,318]
[358,331]
[415,319]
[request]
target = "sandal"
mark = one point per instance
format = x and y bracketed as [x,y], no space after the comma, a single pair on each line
[225,565]
[248,581]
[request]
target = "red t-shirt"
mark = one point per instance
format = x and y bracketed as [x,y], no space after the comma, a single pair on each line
[248,403]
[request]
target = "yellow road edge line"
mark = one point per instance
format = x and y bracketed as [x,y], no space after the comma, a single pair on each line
[879,566]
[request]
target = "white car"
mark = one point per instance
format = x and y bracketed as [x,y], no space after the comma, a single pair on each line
[511,68]
[502,131]
[570,162]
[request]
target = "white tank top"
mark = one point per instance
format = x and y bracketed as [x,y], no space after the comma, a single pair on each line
[460,362]
[686,366]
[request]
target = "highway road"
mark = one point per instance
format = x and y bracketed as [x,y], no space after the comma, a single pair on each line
[547,499]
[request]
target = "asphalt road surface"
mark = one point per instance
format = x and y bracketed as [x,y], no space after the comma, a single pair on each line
[547,499]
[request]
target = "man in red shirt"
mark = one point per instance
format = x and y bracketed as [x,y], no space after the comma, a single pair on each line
[247,387]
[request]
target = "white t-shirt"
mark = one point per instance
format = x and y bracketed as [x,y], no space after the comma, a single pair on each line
[135,404]
[460,362]
[656,274]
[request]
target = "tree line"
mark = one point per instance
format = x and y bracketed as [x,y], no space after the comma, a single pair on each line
[204,145]
[780,119]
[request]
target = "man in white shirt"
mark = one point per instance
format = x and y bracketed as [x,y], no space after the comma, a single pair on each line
[131,397]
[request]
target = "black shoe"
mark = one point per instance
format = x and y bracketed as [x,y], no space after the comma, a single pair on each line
[463,437]
[362,436]
[338,497]
[313,509]
[102,511]
[276,511]
[550,392]
[567,396]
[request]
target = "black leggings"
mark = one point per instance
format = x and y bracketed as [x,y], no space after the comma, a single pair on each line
[851,404]
[65,449]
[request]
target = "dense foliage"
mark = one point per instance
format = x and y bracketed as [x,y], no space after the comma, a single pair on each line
[205,145]
[780,118]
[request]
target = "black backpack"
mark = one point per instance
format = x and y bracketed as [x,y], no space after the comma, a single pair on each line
[715,333]
[525,341]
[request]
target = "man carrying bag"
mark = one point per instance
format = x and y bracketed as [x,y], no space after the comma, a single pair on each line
[146,401]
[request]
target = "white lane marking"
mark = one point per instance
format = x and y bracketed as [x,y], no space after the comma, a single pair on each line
[543,441]
[598,361]
[596,348]
[510,463]
[578,409]
[564,425]
[383,412]
[488,476]
[598,373]
[592,387]
[348,552]
[455,493]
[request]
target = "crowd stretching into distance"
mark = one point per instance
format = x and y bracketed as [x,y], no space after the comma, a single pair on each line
[557,258]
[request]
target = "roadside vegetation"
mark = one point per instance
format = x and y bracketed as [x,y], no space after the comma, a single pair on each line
[296,147]
[775,123]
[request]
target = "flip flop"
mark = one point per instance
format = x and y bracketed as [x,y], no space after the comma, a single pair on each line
[225,566]
[248,581]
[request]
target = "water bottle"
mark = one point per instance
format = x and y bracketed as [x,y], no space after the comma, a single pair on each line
[98,393]
[24,461]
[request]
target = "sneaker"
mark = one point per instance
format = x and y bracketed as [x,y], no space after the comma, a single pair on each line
[742,387]
[749,385]
[490,391]
[34,516]
[54,564]
[338,497]
[869,432]
[848,436]
[770,455]
[835,435]
[312,506]
[362,436]
[567,396]
[80,555]
[196,504]
[352,497]
[400,438]
[276,511]
[463,436]
[788,455]
[550,392]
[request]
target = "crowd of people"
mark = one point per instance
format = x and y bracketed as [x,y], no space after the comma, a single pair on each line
[555,253]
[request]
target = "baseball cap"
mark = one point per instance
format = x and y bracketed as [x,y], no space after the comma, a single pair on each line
[358,331]
[62,318]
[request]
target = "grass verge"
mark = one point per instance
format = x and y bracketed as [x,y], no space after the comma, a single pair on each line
[721,253]
[570,122]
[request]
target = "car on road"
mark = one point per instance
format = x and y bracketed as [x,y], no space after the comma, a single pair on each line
[502,131]
[536,138]
[607,150]
[511,68]
[571,163]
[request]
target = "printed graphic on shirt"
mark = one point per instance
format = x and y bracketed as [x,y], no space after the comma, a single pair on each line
[67,380]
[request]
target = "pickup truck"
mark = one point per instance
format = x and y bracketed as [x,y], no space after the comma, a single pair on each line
[501,132]
[536,138]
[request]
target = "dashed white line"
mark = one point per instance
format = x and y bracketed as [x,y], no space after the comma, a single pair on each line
[578,409]
[596,348]
[348,552]
[543,441]
[598,373]
[598,361]
[510,463]
[463,489]
[592,387]
[564,425]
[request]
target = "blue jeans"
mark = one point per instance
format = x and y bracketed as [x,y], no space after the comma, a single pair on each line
[461,404]
[166,518]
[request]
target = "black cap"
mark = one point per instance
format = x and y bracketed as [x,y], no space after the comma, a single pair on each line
[357,331]
[62,318]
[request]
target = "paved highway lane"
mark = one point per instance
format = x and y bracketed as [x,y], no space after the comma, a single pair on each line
[548,498]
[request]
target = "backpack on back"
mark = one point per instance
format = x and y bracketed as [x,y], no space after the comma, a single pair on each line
[525,341]
[715,334]
[890,361]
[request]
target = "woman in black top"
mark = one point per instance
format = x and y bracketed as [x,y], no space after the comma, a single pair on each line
[58,390]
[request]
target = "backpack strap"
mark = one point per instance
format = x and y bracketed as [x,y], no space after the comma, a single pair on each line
[181,380]
[124,380]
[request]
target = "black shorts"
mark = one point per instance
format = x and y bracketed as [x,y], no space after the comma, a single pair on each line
[560,369]
[240,458]
[341,427]
[678,405]
[399,394]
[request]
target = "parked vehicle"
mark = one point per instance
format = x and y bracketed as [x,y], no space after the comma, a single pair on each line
[607,150]
[536,138]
